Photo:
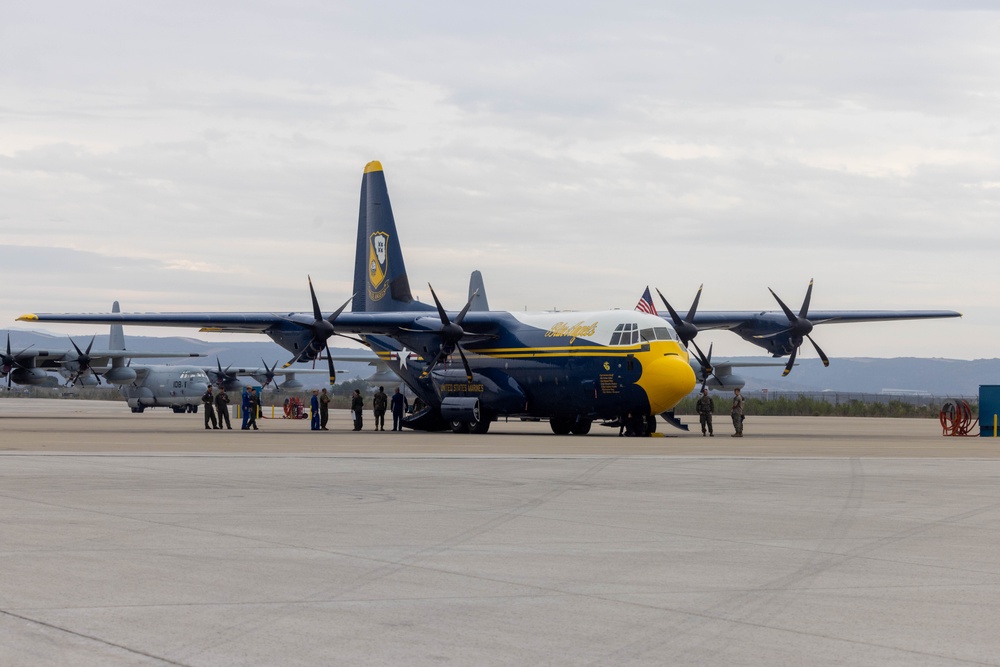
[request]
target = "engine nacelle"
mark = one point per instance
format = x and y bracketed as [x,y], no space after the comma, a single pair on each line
[460,409]
[34,377]
[120,375]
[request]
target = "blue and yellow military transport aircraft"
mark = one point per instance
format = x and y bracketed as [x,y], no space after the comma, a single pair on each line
[471,366]
[571,368]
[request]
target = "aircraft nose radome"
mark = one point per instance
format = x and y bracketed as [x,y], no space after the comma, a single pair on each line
[666,381]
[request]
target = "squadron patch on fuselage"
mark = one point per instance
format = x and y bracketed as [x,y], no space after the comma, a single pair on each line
[378,265]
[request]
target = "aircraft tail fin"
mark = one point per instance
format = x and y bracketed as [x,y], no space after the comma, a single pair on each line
[380,282]
[116,338]
[477,289]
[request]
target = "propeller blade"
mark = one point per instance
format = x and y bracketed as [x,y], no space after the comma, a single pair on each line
[826,362]
[315,302]
[788,312]
[465,362]
[791,362]
[804,312]
[333,373]
[337,312]
[443,315]
[670,309]
[461,315]
[694,305]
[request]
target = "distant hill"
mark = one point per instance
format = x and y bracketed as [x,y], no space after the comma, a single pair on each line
[939,377]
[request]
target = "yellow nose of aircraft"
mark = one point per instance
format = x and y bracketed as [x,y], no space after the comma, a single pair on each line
[666,380]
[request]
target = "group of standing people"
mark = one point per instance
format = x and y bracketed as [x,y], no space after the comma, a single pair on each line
[217,409]
[380,403]
[706,406]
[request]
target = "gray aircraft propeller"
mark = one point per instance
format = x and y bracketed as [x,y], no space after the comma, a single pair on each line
[707,370]
[83,361]
[799,327]
[224,377]
[269,374]
[9,362]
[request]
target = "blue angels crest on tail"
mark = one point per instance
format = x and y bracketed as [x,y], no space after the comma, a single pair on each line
[380,282]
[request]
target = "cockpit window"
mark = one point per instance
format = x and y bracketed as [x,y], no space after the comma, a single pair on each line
[656,333]
[625,334]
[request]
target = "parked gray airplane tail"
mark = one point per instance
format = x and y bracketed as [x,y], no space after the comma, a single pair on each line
[116,339]
[477,293]
[380,282]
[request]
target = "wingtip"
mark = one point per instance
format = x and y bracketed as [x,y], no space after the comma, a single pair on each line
[27,317]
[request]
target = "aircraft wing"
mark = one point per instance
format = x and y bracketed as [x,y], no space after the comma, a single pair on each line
[221,322]
[56,358]
[732,319]
[387,323]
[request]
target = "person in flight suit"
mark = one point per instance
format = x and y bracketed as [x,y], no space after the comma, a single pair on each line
[314,411]
[253,406]
[324,409]
[222,407]
[357,407]
[208,402]
[379,403]
[398,404]
[737,413]
[705,407]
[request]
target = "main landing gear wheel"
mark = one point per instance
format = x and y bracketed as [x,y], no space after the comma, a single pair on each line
[561,425]
[477,427]
[650,424]
[581,427]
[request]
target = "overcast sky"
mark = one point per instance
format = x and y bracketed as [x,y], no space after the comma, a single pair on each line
[208,156]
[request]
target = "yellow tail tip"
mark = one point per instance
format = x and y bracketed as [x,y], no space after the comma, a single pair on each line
[374,165]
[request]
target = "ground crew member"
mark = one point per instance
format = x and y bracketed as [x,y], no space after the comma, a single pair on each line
[357,407]
[705,407]
[324,409]
[208,402]
[737,413]
[222,407]
[379,404]
[253,405]
[314,411]
[398,405]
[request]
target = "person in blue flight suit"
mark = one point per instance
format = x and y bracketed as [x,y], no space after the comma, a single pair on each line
[245,408]
[398,405]
[314,411]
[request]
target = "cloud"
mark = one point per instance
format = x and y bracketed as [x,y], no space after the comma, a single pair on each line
[573,152]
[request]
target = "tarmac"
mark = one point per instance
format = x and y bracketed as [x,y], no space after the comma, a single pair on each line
[145,540]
